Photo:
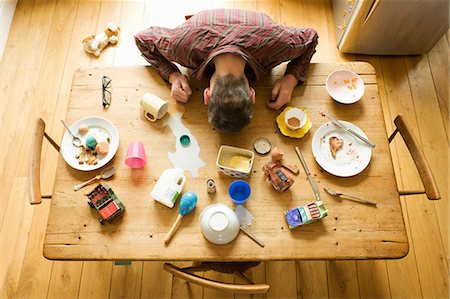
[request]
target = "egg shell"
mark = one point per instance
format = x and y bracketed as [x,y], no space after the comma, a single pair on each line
[276,154]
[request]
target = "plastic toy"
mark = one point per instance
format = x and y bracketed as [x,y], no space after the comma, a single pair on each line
[107,204]
[308,213]
[187,204]
[94,44]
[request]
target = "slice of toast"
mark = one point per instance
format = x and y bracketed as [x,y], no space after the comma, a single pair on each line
[335,145]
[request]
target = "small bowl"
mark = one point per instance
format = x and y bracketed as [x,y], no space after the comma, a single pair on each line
[239,191]
[295,118]
[219,224]
[345,86]
[234,161]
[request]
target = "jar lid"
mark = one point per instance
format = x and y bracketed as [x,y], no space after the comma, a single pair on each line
[262,146]
[185,140]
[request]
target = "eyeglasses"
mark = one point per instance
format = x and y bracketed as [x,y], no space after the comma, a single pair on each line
[106,94]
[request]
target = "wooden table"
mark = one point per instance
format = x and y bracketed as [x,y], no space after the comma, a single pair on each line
[350,231]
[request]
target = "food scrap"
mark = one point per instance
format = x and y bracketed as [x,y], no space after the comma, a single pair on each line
[87,156]
[102,148]
[351,84]
[336,144]
[96,143]
[83,129]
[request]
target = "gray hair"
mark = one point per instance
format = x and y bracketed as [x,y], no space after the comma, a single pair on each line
[230,108]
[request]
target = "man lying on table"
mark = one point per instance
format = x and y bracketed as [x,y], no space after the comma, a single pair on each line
[230,46]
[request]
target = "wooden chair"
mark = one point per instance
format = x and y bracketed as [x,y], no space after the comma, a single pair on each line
[425,173]
[230,268]
[34,177]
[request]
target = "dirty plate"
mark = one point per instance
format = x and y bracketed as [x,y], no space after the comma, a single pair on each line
[351,159]
[102,129]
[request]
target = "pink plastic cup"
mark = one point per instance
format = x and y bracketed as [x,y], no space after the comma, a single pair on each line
[135,157]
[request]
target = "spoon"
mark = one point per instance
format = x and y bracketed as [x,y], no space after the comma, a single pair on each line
[351,197]
[76,141]
[245,220]
[105,174]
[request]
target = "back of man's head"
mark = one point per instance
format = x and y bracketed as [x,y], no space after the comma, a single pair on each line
[230,108]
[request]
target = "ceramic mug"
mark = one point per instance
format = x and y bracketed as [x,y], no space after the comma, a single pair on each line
[154,107]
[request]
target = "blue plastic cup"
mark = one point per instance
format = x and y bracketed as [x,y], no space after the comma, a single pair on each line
[239,191]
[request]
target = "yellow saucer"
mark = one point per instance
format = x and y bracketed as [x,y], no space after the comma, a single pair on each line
[299,133]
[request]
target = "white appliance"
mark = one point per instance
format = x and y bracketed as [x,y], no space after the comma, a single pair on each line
[389,27]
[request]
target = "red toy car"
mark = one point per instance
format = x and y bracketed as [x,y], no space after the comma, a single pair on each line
[107,204]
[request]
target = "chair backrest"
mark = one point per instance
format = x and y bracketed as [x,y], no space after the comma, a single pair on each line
[184,274]
[34,175]
[424,169]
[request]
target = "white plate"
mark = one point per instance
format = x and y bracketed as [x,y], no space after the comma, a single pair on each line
[101,127]
[351,159]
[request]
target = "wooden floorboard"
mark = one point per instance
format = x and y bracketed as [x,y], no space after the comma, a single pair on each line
[43,51]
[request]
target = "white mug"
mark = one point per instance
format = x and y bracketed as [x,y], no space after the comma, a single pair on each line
[154,107]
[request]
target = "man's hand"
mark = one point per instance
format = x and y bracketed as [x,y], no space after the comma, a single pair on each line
[282,91]
[180,91]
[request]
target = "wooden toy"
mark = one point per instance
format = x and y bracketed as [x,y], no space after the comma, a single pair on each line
[276,173]
[187,204]
[107,204]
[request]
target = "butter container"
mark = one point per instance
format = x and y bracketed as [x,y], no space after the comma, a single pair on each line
[234,161]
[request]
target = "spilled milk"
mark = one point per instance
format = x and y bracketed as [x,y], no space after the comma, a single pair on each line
[184,157]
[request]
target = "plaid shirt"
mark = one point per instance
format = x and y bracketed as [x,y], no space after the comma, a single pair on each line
[252,35]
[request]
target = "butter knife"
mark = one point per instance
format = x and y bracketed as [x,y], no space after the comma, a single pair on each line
[308,174]
[341,125]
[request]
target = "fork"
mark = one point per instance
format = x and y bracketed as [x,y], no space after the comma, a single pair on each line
[351,197]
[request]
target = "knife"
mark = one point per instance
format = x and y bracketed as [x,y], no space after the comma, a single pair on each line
[308,174]
[341,125]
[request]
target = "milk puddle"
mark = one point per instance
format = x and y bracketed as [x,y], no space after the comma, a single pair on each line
[185,157]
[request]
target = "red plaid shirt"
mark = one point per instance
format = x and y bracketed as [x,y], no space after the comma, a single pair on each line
[252,35]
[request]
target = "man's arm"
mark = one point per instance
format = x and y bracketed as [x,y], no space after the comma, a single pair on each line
[145,41]
[180,89]
[282,91]
[305,44]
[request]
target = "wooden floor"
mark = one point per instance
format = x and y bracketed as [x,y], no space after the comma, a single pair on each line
[43,51]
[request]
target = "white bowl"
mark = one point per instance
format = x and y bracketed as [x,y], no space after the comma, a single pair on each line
[345,86]
[219,224]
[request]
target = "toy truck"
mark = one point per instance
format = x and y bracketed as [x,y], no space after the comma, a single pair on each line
[104,200]
[305,214]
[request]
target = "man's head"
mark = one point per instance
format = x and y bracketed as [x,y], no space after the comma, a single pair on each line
[230,103]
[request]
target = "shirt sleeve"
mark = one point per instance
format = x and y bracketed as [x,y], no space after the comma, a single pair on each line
[305,40]
[145,41]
